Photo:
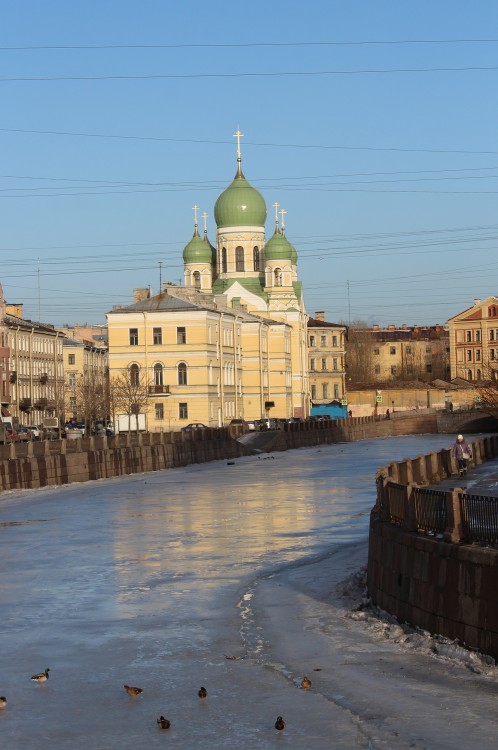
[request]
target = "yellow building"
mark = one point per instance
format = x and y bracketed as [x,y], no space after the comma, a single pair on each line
[232,342]
[474,341]
[327,372]
[86,368]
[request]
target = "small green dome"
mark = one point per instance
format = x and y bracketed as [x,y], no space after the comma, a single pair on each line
[197,251]
[278,247]
[240,205]
[294,255]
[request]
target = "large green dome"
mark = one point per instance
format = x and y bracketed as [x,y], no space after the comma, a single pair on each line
[279,248]
[197,251]
[240,205]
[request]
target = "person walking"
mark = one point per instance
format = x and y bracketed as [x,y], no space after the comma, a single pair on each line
[462,452]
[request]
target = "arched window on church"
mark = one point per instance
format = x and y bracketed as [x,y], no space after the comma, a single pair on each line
[182,374]
[224,266]
[277,274]
[255,255]
[239,258]
[478,375]
[134,375]
[158,374]
[197,279]
[469,374]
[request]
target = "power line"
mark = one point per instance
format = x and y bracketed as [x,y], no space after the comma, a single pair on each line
[251,74]
[248,143]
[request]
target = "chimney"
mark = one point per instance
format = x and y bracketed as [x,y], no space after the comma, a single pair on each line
[140,295]
[14,309]
[477,301]
[376,327]
[320,315]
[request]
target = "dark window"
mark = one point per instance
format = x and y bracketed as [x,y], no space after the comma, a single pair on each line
[468,335]
[394,370]
[323,341]
[469,355]
[377,369]
[478,355]
[491,335]
[478,375]
[312,341]
[224,260]
[183,411]
[134,375]
[428,368]
[469,374]
[312,364]
[334,340]
[159,411]
[197,279]
[133,336]
[182,374]
[158,374]
[313,392]
[478,335]
[157,335]
[325,390]
[336,391]
[376,352]
[324,364]
[278,277]
[71,359]
[392,350]
[239,258]
[255,255]
[181,335]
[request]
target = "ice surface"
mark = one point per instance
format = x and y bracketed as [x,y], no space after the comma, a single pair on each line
[155,580]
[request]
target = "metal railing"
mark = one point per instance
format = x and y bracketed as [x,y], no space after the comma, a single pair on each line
[430,509]
[479,515]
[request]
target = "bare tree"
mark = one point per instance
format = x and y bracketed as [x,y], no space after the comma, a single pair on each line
[487,390]
[129,396]
[359,351]
[90,400]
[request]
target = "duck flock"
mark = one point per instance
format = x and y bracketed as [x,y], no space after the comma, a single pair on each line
[134,692]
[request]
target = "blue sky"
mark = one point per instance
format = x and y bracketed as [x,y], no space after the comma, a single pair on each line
[389,179]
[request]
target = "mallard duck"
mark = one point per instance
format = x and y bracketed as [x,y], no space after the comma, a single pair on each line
[279,724]
[41,676]
[306,682]
[203,693]
[163,723]
[132,690]
[3,701]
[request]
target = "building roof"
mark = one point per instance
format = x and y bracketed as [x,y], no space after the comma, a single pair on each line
[315,323]
[12,321]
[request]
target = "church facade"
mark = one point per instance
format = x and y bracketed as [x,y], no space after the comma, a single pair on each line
[232,341]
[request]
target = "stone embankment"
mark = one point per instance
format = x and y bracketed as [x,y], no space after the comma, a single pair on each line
[433,553]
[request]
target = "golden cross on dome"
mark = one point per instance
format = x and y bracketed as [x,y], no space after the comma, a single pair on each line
[204,216]
[283,212]
[238,135]
[195,209]
[276,205]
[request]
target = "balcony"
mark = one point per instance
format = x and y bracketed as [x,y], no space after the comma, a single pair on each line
[159,390]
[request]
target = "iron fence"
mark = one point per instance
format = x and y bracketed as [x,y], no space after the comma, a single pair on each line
[430,509]
[479,518]
[396,495]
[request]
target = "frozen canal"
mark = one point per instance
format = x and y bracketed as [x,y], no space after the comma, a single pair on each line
[153,580]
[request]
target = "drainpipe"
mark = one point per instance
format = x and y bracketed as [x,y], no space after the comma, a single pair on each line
[235,365]
[31,394]
[261,384]
[222,390]
[146,371]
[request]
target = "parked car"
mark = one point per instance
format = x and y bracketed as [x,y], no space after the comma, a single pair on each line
[252,425]
[194,426]
[37,431]
[25,434]
[240,422]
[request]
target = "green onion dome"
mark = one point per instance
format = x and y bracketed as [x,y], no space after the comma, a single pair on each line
[197,251]
[278,247]
[240,205]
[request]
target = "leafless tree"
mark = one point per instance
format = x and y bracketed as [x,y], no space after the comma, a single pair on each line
[487,390]
[128,395]
[359,351]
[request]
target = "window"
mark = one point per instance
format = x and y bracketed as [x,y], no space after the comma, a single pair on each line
[255,257]
[278,276]
[394,370]
[181,335]
[313,392]
[469,355]
[336,390]
[224,264]
[71,359]
[312,341]
[183,411]
[182,374]
[468,335]
[197,279]
[159,408]
[428,349]
[324,364]
[239,258]
[133,336]
[334,340]
[377,369]
[72,403]
[134,375]
[428,368]
[478,355]
[325,390]
[376,352]
[334,364]
[392,350]
[491,335]
[469,374]
[478,375]
[491,353]
[71,379]
[323,341]
[158,374]
[478,335]
[312,364]
[157,336]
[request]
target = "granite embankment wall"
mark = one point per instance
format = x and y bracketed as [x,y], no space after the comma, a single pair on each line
[38,464]
[433,557]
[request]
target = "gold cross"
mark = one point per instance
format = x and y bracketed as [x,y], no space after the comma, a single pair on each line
[276,210]
[238,135]
[195,209]
[204,216]
[283,212]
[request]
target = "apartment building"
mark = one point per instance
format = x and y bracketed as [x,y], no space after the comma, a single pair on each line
[326,356]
